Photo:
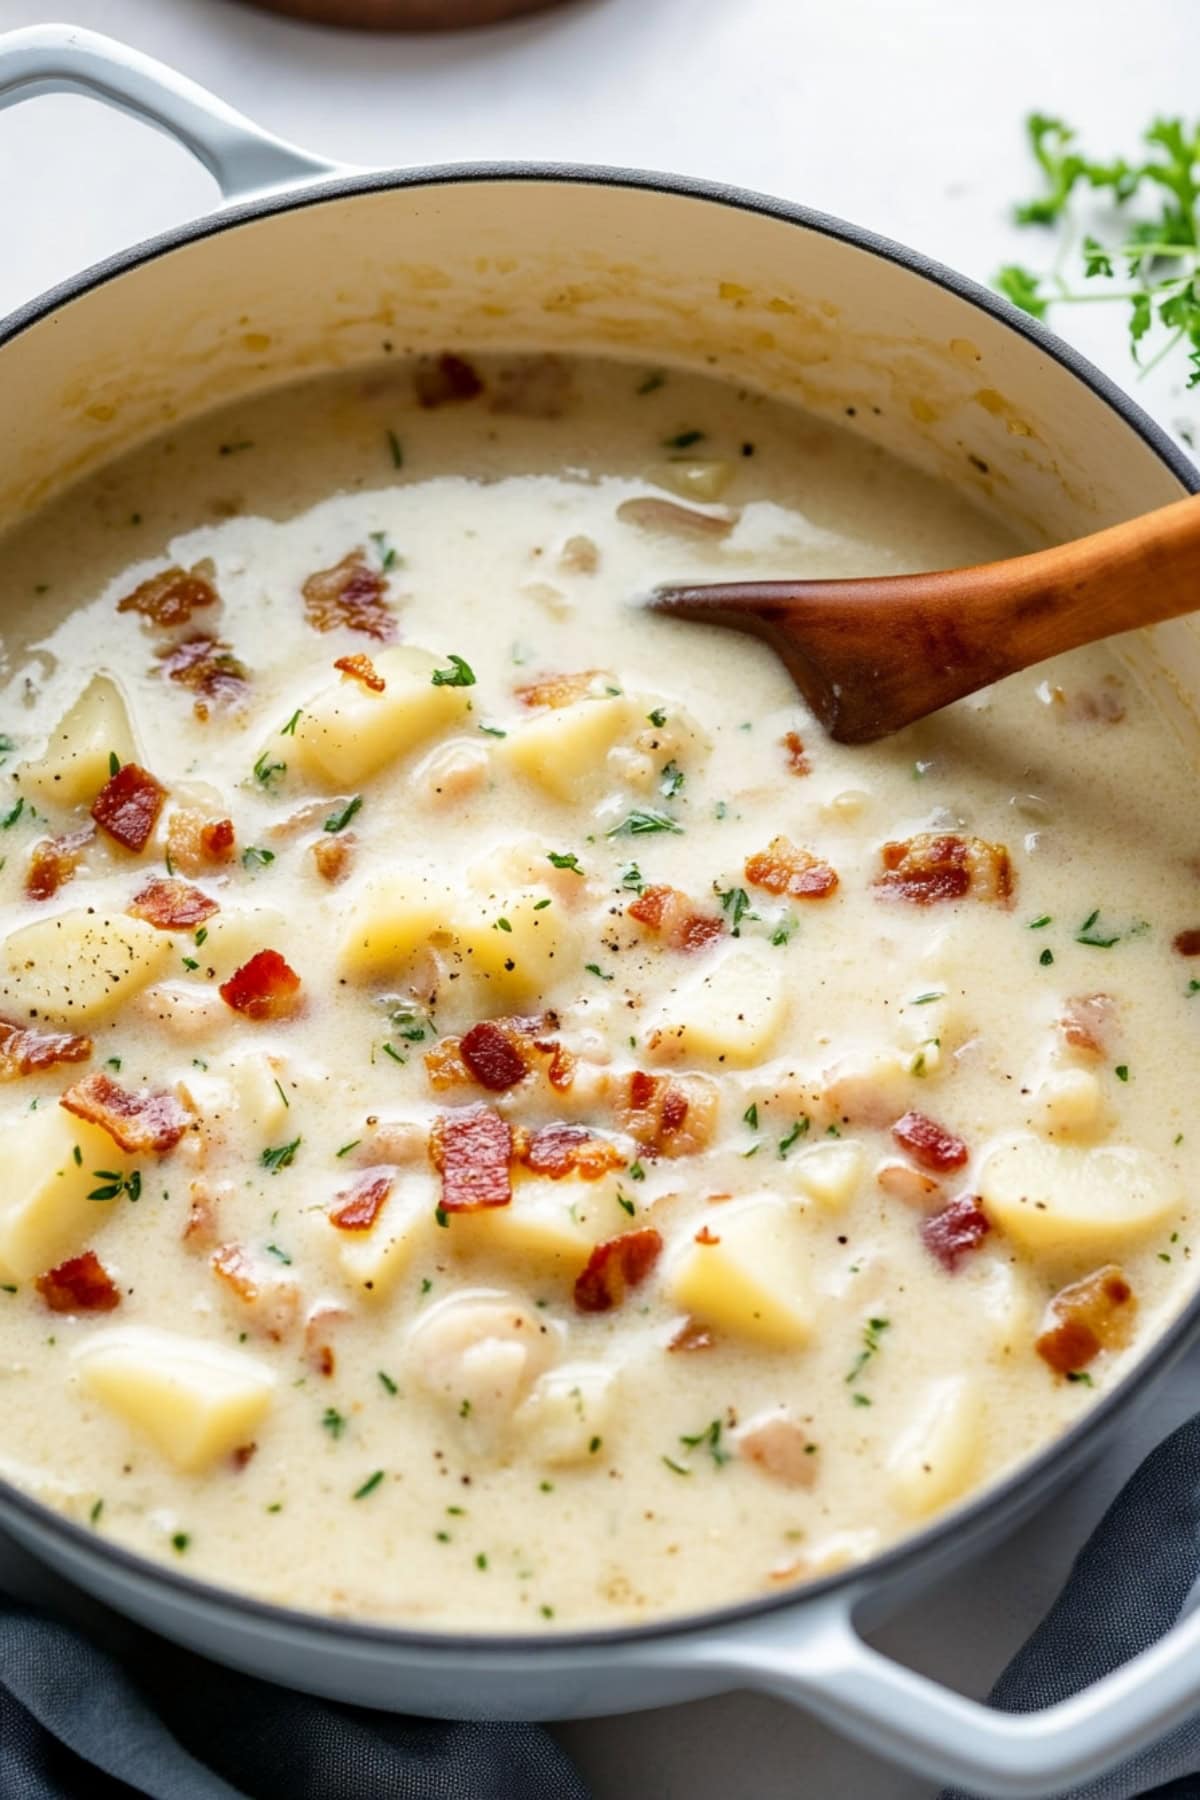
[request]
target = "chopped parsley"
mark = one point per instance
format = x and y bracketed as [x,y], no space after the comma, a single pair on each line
[595,969]
[289,730]
[636,1172]
[339,821]
[750,1116]
[631,877]
[387,556]
[567,860]
[1122,1071]
[657,718]
[675,1468]
[334,1422]
[459,674]
[710,1439]
[1080,1375]
[683,440]
[1040,923]
[114,1184]
[672,780]
[873,1331]
[279,1255]
[282,1156]
[1046,958]
[783,931]
[180,1541]
[396,448]
[503,925]
[347,1148]
[799,1130]
[735,904]
[641,821]
[368,1486]
[254,854]
[625,1203]
[492,731]
[926,999]
[97,1509]
[389,1386]
[114,763]
[10,818]
[265,771]
[1103,937]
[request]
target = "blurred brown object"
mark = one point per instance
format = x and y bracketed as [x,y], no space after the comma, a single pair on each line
[405,15]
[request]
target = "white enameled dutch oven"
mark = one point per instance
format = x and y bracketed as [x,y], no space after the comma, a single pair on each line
[310,266]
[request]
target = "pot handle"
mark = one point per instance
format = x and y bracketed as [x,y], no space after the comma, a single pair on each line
[816,1659]
[245,160]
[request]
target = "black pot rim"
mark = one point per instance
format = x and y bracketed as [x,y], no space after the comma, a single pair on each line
[1038,1472]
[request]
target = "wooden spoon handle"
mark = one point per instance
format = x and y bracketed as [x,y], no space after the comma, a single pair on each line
[873,655]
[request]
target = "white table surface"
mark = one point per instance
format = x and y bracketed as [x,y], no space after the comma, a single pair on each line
[900,114]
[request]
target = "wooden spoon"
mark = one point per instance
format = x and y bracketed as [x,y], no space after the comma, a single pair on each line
[872,655]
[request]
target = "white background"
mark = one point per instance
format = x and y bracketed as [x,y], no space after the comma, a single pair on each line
[904,115]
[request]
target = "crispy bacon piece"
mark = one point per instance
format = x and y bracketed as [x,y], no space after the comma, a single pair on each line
[472,1147]
[937,866]
[24,1051]
[351,595]
[360,668]
[53,861]
[706,1235]
[271,1303]
[200,1229]
[195,844]
[558,1150]
[492,1057]
[797,759]
[671,916]
[929,1143]
[128,805]
[333,856]
[445,380]
[209,668]
[559,690]
[82,1284]
[691,1336]
[669,1115]
[266,987]
[357,1207]
[134,1122]
[615,1266]
[1085,1318]
[1087,1023]
[317,1347]
[172,905]
[959,1227]
[784,868]
[171,596]
[1188,942]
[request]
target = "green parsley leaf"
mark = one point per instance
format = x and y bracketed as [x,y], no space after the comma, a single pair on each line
[595,969]
[266,771]
[683,440]
[289,730]
[567,860]
[459,674]
[641,821]
[254,854]
[672,781]
[799,1130]
[389,1386]
[339,821]
[368,1486]
[334,1422]
[735,904]
[281,1157]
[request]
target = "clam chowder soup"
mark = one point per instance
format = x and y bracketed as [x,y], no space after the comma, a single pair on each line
[503,1122]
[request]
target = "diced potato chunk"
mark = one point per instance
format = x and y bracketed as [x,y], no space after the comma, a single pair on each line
[76,761]
[936,1458]
[518,947]
[1059,1197]
[564,748]
[541,1231]
[78,966]
[45,1213]
[828,1173]
[257,1079]
[347,732]
[750,1278]
[1071,1102]
[392,919]
[196,1401]
[567,1414]
[732,1013]
[373,1261]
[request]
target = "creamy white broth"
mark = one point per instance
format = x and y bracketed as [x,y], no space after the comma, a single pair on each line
[549,1476]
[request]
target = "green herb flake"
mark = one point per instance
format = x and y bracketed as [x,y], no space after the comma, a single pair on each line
[388,1385]
[281,1156]
[625,1203]
[636,1172]
[632,880]
[657,718]
[255,856]
[710,1439]
[564,860]
[279,1255]
[459,674]
[339,821]
[1122,1071]
[266,771]
[643,820]
[334,1422]
[289,730]
[873,1331]
[798,1130]
[387,556]
[347,1148]
[683,440]
[1080,1375]
[180,1541]
[672,781]
[675,1468]
[492,730]
[927,999]
[396,448]
[114,763]
[10,818]
[750,1116]
[442,1217]
[94,1515]
[1046,958]
[1040,924]
[368,1486]
[595,969]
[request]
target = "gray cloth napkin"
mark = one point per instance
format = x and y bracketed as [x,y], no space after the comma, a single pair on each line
[1130,1582]
[77,1724]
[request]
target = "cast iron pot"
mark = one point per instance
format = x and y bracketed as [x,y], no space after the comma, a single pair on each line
[310,266]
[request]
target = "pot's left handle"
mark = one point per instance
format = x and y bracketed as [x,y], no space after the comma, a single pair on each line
[245,160]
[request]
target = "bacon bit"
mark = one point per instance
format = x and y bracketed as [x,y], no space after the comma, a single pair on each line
[266,987]
[128,805]
[134,1122]
[560,690]
[82,1284]
[784,868]
[780,1448]
[23,1050]
[1087,1022]
[670,914]
[273,1303]
[444,1065]
[797,760]
[959,1227]
[691,1336]
[170,597]
[1085,1318]
[333,856]
[194,845]
[668,1115]
[351,595]
[358,1207]
[472,1147]
[900,1181]
[317,1347]
[241,1456]
[706,1236]
[360,668]
[935,866]
[559,1150]
[618,1264]
[492,1057]
[209,668]
[560,1071]
[1188,943]
[445,381]
[200,1227]
[928,1143]
[172,906]
[53,861]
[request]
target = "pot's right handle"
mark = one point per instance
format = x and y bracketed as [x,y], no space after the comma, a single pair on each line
[246,161]
[816,1659]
